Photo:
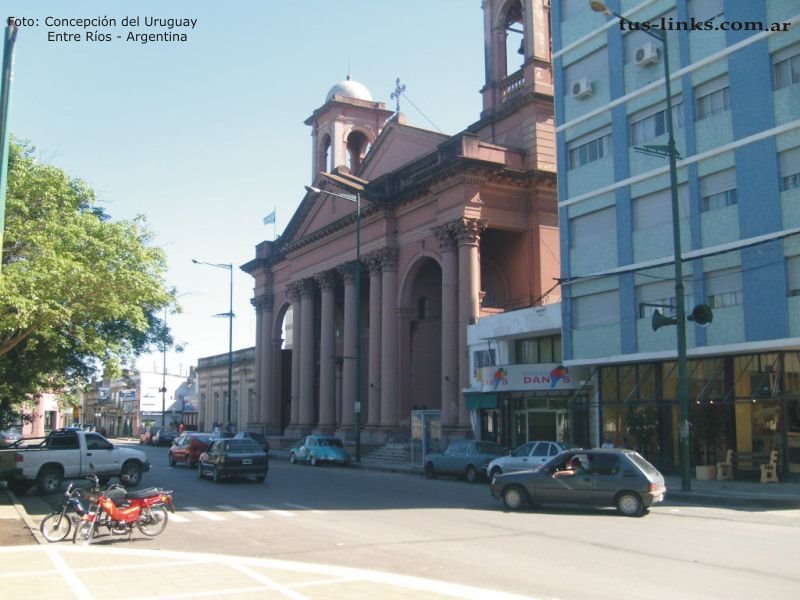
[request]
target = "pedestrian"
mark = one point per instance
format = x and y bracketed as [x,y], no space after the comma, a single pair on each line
[181,428]
[607,443]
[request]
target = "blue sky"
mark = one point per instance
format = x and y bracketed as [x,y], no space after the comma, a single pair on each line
[206,137]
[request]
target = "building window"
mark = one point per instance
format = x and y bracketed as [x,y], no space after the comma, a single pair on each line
[644,129]
[793,275]
[712,97]
[530,351]
[587,152]
[718,190]
[786,69]
[724,288]
[586,231]
[595,310]
[789,161]
[660,296]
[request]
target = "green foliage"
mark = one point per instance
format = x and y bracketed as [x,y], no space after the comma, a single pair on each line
[643,426]
[77,291]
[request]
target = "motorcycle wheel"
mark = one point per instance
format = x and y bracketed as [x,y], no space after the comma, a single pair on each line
[153,522]
[55,527]
[84,533]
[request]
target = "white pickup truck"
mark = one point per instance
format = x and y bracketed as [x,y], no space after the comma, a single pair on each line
[68,454]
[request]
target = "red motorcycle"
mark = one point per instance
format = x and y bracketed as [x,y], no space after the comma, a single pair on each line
[119,511]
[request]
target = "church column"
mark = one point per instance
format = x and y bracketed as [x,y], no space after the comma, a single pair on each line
[293,293]
[260,395]
[389,342]
[327,371]
[468,233]
[374,403]
[450,337]
[307,370]
[349,347]
[268,403]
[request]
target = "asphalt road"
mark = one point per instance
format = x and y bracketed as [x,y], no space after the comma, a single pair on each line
[453,531]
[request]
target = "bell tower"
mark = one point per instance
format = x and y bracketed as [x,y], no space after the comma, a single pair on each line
[516,50]
[344,127]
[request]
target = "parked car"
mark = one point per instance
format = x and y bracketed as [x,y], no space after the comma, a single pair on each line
[317,449]
[9,437]
[147,435]
[164,437]
[231,458]
[527,456]
[188,447]
[253,437]
[463,458]
[607,477]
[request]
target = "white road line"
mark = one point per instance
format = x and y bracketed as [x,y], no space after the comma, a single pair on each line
[240,513]
[177,518]
[272,510]
[301,507]
[203,513]
[68,575]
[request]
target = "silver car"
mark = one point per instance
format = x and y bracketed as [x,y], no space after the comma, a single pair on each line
[600,477]
[527,456]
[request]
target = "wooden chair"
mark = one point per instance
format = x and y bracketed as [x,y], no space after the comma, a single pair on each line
[769,471]
[725,469]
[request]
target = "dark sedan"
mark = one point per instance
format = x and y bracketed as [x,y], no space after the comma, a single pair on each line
[233,458]
[601,477]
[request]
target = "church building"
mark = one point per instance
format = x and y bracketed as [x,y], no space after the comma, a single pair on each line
[405,237]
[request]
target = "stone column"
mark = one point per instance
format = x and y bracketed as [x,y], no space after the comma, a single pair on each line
[468,233]
[293,294]
[268,402]
[307,367]
[450,337]
[374,403]
[327,349]
[260,395]
[349,346]
[389,341]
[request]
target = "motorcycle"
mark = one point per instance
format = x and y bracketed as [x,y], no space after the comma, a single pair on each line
[57,525]
[120,511]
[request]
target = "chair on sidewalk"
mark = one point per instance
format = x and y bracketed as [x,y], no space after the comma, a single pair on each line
[725,469]
[769,471]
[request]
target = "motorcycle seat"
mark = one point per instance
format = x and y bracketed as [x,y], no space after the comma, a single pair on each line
[141,494]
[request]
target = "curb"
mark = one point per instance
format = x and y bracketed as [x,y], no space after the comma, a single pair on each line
[723,501]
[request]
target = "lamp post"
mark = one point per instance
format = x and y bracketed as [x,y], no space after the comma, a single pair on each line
[229,314]
[357,400]
[680,305]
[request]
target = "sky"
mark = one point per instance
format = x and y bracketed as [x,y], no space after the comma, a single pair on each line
[205,137]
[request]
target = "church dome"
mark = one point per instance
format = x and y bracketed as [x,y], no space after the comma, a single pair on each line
[349,89]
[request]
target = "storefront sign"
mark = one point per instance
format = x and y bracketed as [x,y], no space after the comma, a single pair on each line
[540,377]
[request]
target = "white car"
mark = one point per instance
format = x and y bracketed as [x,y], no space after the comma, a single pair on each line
[528,456]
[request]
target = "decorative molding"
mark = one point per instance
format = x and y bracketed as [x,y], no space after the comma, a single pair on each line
[444,233]
[308,287]
[263,303]
[347,272]
[468,231]
[390,258]
[326,280]
[373,262]
[293,291]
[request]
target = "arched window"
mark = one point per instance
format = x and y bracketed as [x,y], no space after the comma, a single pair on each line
[515,41]
[324,159]
[357,145]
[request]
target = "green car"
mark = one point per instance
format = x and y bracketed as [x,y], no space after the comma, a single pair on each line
[318,449]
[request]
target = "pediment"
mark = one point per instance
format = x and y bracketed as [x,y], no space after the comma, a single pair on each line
[316,213]
[397,146]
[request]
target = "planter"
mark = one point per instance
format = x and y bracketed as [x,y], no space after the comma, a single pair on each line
[706,472]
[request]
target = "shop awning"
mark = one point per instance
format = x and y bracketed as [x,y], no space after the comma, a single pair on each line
[477,401]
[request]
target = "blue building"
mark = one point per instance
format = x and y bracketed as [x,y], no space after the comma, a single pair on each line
[735,79]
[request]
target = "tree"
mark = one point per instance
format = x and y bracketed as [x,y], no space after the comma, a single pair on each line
[78,291]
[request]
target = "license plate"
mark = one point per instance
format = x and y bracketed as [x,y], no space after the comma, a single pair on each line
[247,461]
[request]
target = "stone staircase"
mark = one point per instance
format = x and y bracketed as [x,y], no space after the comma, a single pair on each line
[390,453]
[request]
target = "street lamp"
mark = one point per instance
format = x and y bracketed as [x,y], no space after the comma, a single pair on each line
[680,309]
[229,314]
[357,401]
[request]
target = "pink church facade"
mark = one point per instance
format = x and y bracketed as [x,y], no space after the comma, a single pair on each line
[451,228]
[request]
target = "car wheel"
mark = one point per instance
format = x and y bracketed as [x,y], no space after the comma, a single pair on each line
[171,460]
[189,463]
[630,504]
[471,474]
[292,458]
[131,474]
[515,497]
[49,480]
[496,471]
[313,460]
[430,471]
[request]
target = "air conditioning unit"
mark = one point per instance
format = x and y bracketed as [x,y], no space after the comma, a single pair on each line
[646,55]
[582,88]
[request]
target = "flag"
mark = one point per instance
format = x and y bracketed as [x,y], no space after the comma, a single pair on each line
[270,218]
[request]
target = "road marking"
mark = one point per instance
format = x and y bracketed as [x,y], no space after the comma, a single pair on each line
[301,507]
[176,518]
[68,575]
[276,511]
[204,513]
[241,513]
